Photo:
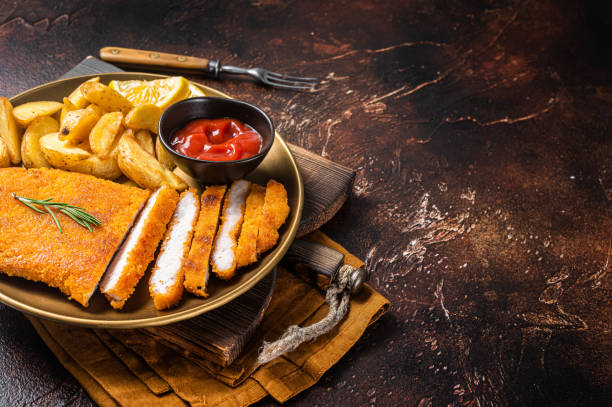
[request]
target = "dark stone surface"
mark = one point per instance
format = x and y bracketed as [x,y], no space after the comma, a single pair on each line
[480,130]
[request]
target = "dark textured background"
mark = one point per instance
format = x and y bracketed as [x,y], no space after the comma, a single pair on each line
[481,135]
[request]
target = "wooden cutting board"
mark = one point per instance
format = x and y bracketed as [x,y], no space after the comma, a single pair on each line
[220,335]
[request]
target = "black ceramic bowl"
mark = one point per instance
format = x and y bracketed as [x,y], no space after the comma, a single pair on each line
[215,172]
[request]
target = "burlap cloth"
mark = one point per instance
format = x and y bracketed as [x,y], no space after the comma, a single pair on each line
[130,368]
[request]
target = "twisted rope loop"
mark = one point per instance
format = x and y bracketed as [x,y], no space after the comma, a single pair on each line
[337,297]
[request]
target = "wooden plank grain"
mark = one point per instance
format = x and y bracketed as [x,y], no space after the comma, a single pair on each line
[220,335]
[327,185]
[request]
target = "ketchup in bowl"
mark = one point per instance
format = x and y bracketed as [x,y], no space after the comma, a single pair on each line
[223,139]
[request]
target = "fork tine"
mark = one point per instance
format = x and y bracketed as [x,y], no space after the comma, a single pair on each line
[284,86]
[292,78]
[286,82]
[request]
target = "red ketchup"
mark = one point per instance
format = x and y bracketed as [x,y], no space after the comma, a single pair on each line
[224,139]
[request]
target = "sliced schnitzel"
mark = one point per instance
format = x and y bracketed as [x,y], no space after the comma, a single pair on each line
[275,212]
[247,243]
[31,245]
[167,277]
[138,250]
[223,258]
[196,267]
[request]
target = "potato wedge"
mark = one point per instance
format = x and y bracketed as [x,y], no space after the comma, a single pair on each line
[105,97]
[106,168]
[59,153]
[77,124]
[162,155]
[30,144]
[24,114]
[105,133]
[9,131]
[76,97]
[97,109]
[143,117]
[143,137]
[5,158]
[174,181]
[67,107]
[142,168]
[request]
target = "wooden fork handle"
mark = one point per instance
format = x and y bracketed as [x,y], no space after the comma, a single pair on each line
[152,58]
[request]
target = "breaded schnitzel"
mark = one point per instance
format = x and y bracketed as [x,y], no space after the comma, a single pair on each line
[31,245]
[247,243]
[138,250]
[167,277]
[223,259]
[196,267]
[275,212]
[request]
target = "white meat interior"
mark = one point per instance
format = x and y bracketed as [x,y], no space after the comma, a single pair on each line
[225,245]
[170,261]
[114,272]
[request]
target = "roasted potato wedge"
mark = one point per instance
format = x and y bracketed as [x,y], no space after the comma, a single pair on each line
[9,131]
[105,133]
[106,168]
[24,114]
[162,155]
[143,137]
[77,124]
[31,155]
[105,97]
[142,168]
[76,97]
[5,158]
[143,117]
[67,107]
[97,109]
[61,154]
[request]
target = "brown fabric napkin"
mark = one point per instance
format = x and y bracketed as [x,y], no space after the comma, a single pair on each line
[132,368]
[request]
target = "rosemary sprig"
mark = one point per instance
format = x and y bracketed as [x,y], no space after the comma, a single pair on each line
[76,213]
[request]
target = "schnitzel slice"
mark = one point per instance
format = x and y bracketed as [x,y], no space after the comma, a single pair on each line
[167,277]
[196,266]
[275,212]
[31,245]
[247,243]
[131,261]
[224,250]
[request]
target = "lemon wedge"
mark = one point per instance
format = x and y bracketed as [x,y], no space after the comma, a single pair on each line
[194,91]
[160,92]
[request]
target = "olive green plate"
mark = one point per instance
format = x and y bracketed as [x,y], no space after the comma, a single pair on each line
[46,302]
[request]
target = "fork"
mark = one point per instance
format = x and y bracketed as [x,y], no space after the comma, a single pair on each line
[161,60]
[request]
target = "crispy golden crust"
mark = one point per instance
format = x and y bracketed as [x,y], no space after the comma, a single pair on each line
[142,254]
[174,293]
[247,243]
[196,265]
[275,212]
[31,245]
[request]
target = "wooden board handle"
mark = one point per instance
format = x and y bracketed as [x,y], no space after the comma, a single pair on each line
[152,58]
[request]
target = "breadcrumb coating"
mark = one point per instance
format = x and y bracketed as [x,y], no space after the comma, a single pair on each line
[247,243]
[196,267]
[31,245]
[130,264]
[167,277]
[275,212]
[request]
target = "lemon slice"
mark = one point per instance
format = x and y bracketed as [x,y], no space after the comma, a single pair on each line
[160,92]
